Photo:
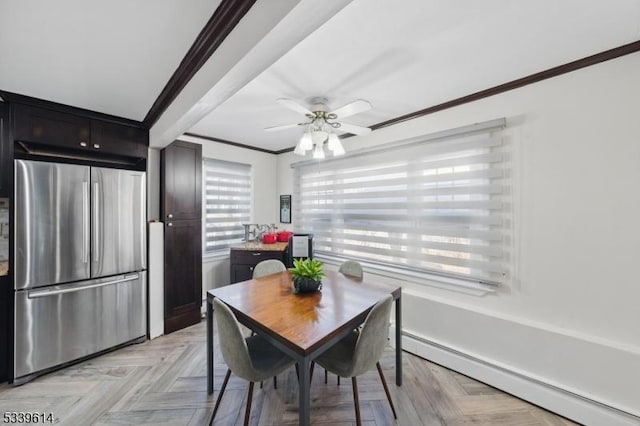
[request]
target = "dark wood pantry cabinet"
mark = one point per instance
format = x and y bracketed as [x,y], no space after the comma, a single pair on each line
[181,205]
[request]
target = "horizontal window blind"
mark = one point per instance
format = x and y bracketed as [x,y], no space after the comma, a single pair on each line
[226,204]
[438,206]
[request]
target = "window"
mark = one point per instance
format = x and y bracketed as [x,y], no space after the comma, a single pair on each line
[226,204]
[436,204]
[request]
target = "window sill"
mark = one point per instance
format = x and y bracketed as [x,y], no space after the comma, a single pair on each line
[420,278]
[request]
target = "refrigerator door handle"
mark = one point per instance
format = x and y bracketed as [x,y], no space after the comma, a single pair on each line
[34,294]
[96,222]
[85,222]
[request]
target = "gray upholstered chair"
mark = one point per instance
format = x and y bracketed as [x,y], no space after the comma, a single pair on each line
[251,358]
[268,267]
[352,268]
[360,351]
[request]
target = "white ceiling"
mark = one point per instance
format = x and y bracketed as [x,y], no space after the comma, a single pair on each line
[116,56]
[408,55]
[110,56]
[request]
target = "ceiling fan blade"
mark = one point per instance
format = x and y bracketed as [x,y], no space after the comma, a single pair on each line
[352,128]
[352,108]
[294,106]
[284,126]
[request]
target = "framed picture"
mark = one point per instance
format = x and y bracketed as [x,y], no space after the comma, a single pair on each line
[285,209]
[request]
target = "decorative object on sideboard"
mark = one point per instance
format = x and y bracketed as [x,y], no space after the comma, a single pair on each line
[307,275]
[269,238]
[283,236]
[253,232]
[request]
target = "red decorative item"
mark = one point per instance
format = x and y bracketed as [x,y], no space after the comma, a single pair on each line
[283,236]
[269,238]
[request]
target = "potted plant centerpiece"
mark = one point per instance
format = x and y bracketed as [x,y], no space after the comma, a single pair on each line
[307,275]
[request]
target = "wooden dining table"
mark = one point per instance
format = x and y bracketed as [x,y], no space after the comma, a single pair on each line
[303,326]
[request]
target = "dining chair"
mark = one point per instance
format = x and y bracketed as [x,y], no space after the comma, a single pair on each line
[360,351]
[268,267]
[263,268]
[251,358]
[351,268]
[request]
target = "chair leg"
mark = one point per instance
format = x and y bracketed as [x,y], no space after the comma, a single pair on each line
[386,390]
[338,380]
[298,372]
[247,412]
[356,401]
[275,382]
[313,364]
[326,376]
[224,386]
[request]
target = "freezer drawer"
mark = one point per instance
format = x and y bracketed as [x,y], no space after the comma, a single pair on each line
[58,324]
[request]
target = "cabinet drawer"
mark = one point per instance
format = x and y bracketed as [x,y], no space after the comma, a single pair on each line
[247,257]
[43,126]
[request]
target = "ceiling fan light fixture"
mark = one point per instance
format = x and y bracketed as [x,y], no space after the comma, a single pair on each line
[299,149]
[335,145]
[318,153]
[319,136]
[333,141]
[306,143]
[322,123]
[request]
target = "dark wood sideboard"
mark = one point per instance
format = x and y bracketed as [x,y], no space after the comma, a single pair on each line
[245,257]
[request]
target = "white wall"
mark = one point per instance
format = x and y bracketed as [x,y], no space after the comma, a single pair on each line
[571,317]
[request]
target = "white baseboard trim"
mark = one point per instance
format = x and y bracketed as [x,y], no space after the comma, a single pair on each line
[566,403]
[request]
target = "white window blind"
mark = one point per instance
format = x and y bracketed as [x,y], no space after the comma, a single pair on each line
[435,205]
[226,204]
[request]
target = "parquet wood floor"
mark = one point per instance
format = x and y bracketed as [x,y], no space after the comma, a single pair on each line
[162,382]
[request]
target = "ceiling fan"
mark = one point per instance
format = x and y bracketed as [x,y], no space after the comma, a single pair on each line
[322,123]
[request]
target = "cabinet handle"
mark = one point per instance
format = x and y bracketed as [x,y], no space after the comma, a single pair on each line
[83,144]
[256,254]
[96,145]
[251,268]
[169,215]
[169,224]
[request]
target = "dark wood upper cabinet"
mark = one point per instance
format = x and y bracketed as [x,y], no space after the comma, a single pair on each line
[119,139]
[182,181]
[78,133]
[5,152]
[48,127]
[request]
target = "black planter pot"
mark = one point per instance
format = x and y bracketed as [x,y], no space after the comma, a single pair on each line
[306,285]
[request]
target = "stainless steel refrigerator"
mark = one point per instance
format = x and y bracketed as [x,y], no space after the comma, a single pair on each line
[79,262]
